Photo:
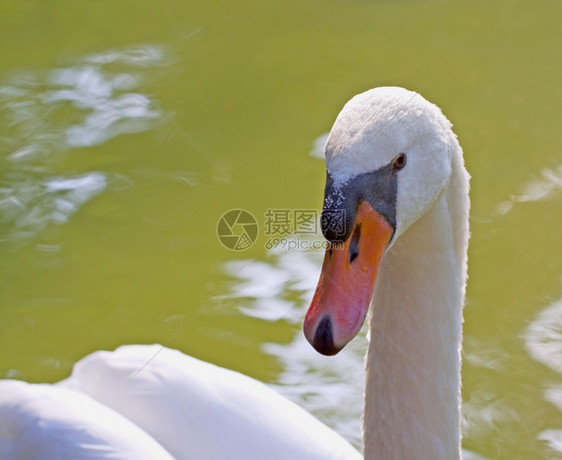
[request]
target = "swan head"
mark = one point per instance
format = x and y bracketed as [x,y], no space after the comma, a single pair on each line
[388,159]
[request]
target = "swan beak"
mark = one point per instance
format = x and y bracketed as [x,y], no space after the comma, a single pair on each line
[347,282]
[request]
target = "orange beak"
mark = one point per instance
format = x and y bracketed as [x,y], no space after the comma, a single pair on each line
[347,282]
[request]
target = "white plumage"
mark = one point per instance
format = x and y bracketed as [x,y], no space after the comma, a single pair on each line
[45,422]
[147,401]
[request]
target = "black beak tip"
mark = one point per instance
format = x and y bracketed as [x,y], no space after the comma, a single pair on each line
[324,339]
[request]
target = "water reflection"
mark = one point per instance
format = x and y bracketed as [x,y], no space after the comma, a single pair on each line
[553,438]
[543,339]
[484,355]
[83,104]
[46,113]
[268,287]
[484,413]
[548,185]
[29,205]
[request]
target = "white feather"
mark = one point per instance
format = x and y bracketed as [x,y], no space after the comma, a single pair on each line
[44,422]
[198,410]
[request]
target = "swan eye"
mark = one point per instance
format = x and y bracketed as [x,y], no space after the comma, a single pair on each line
[399,162]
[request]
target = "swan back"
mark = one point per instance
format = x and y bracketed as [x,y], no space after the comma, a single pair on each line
[43,422]
[199,410]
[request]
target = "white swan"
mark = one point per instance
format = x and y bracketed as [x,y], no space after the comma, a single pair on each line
[396,192]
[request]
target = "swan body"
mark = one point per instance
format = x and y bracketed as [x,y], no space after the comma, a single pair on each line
[396,215]
[44,422]
[198,410]
[151,402]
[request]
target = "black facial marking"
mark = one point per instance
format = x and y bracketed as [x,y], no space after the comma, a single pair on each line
[378,188]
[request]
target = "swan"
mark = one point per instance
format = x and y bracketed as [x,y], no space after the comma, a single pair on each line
[396,215]
[396,212]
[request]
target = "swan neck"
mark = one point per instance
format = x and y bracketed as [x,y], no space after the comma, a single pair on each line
[412,396]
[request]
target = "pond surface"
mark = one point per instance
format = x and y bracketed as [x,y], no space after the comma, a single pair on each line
[128,129]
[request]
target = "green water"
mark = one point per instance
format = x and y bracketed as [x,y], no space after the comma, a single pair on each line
[127,129]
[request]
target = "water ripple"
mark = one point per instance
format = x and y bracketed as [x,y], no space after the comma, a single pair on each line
[268,287]
[83,104]
[553,438]
[543,339]
[28,206]
[44,113]
[547,186]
